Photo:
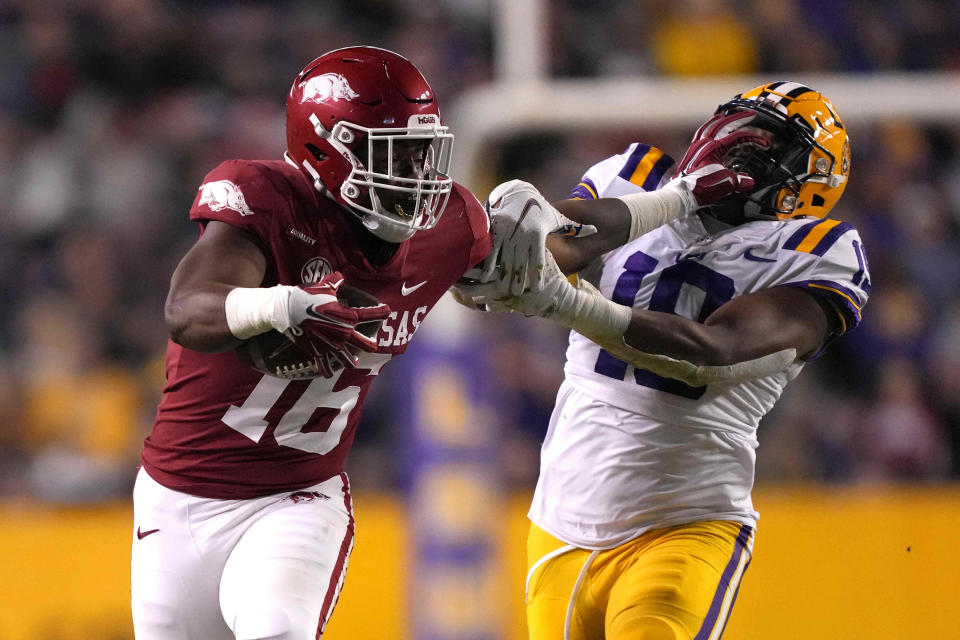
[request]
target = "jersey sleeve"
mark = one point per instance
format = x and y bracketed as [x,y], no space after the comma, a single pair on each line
[837,270]
[639,168]
[239,193]
[479,225]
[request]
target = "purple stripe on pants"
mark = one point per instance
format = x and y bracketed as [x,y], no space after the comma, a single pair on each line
[729,570]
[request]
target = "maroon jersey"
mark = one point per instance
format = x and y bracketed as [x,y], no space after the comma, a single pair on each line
[224,430]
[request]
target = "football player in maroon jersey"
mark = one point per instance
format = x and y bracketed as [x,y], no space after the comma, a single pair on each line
[243,521]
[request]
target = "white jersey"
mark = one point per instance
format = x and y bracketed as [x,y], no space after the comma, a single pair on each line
[628,451]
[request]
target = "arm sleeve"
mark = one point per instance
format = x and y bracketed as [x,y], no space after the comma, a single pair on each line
[479,225]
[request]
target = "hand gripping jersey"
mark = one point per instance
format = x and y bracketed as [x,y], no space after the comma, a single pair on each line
[224,430]
[642,451]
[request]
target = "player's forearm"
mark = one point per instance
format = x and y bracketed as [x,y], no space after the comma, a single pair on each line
[677,337]
[197,320]
[726,338]
[618,221]
[610,216]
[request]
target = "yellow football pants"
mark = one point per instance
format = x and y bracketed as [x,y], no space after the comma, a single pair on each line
[668,584]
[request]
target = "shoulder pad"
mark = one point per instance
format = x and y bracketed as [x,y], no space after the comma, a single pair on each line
[639,167]
[838,270]
[240,192]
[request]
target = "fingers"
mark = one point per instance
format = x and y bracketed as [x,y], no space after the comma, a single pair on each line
[692,158]
[343,357]
[522,257]
[366,327]
[536,271]
[745,183]
[504,269]
[519,280]
[367,314]
[475,291]
[506,188]
[709,151]
[324,370]
[743,135]
[363,342]
[698,134]
[488,268]
[722,125]
[328,285]
[707,128]
[513,270]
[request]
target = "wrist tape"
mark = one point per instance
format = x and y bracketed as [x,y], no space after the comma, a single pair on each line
[651,209]
[587,312]
[251,311]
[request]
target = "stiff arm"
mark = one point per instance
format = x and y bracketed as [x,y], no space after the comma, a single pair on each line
[751,336]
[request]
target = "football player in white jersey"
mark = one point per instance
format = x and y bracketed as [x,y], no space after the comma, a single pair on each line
[688,322]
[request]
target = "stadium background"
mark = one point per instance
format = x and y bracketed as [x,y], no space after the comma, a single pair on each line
[112,111]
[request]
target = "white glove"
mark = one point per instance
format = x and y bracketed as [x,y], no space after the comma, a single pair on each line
[581,308]
[520,220]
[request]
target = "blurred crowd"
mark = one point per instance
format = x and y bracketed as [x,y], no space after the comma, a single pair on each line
[112,111]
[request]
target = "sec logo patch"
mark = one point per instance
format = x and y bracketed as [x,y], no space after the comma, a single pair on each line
[314,270]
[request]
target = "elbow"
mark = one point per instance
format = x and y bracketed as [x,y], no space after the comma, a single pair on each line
[176,321]
[195,327]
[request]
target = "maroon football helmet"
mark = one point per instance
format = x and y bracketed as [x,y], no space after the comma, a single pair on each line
[364,124]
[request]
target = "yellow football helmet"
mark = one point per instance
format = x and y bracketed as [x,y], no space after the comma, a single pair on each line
[804,170]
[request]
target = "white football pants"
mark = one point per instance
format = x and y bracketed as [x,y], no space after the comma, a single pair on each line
[267,568]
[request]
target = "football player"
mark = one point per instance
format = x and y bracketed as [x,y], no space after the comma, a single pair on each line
[243,522]
[685,334]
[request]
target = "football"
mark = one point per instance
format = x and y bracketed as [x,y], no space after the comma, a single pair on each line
[274,354]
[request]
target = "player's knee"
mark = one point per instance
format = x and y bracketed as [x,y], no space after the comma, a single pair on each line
[253,624]
[645,627]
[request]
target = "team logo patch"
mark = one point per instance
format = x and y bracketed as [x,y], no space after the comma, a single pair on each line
[314,270]
[223,194]
[326,87]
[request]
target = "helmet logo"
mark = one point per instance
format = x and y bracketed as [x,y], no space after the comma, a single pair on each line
[423,121]
[326,87]
[223,194]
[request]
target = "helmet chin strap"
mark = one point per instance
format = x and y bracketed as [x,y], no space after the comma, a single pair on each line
[382,226]
[386,229]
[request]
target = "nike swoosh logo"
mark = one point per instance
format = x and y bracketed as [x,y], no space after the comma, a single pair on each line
[523,214]
[405,290]
[144,534]
[748,254]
